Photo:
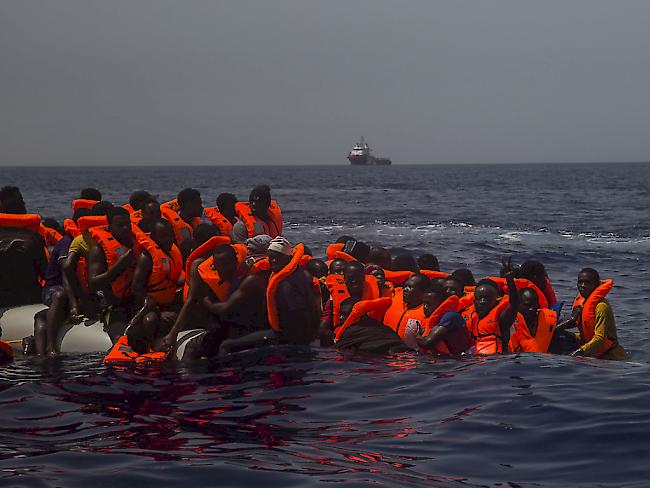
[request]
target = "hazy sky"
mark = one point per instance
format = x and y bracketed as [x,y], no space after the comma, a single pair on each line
[298,81]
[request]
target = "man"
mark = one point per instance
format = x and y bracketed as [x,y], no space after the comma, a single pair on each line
[594,317]
[137,200]
[224,215]
[533,327]
[445,331]
[22,251]
[150,211]
[428,262]
[187,218]
[261,215]
[407,309]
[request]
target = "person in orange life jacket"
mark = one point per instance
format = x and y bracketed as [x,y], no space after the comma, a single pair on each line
[150,209]
[381,257]
[354,276]
[259,202]
[405,262]
[428,262]
[319,270]
[202,234]
[492,334]
[79,300]
[22,252]
[91,194]
[138,199]
[103,277]
[337,266]
[357,249]
[535,272]
[450,328]
[367,334]
[218,276]
[159,317]
[380,276]
[55,296]
[534,333]
[190,210]
[464,276]
[226,207]
[297,307]
[407,310]
[597,335]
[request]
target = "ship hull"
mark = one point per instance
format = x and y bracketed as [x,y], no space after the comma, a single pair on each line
[368,161]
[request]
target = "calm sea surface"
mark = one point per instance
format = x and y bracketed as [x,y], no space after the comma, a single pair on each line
[296,417]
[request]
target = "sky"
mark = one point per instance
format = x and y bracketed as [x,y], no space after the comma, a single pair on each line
[96,82]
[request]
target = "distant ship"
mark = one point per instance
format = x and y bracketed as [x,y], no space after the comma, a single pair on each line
[362,155]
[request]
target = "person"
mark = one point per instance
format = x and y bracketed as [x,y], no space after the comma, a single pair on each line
[428,262]
[138,199]
[489,319]
[260,215]
[464,276]
[150,214]
[594,317]
[367,334]
[291,303]
[405,262]
[55,296]
[337,266]
[407,309]
[190,209]
[111,263]
[216,279]
[534,326]
[224,215]
[22,251]
[535,272]
[157,277]
[319,270]
[91,194]
[444,331]
[381,257]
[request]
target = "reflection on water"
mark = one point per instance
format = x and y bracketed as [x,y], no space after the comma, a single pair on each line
[286,415]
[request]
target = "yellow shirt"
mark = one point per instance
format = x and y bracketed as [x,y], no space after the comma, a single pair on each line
[81,245]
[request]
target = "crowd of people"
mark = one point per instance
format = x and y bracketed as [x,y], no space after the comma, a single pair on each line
[150,270]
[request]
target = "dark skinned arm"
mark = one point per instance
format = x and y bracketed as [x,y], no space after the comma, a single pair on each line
[572,321]
[508,316]
[71,283]
[251,287]
[101,277]
[435,334]
[143,268]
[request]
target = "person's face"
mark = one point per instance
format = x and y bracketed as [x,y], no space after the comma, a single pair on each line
[412,294]
[354,279]
[163,236]
[586,284]
[337,267]
[151,212]
[259,205]
[528,305]
[120,228]
[485,299]
[226,266]
[379,274]
[431,302]
[277,260]
[453,287]
[228,208]
[194,208]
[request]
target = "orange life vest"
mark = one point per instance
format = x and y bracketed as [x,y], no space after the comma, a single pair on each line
[121,287]
[88,222]
[84,224]
[30,222]
[465,301]
[397,316]
[434,275]
[182,230]
[397,277]
[167,269]
[375,309]
[344,256]
[485,332]
[218,220]
[71,228]
[128,208]
[83,203]
[200,252]
[272,226]
[523,341]
[521,283]
[121,352]
[332,249]
[260,265]
[587,323]
[274,282]
[210,277]
[339,293]
[49,235]
[449,305]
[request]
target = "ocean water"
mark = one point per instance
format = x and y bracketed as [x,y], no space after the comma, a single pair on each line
[290,416]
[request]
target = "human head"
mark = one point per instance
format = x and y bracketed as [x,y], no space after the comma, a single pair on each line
[317,268]
[224,259]
[163,235]
[91,194]
[381,257]
[11,200]
[150,209]
[528,303]
[260,200]
[337,266]
[203,232]
[345,309]
[102,208]
[454,287]
[486,296]
[53,224]
[588,281]
[138,199]
[280,252]
[258,245]
[428,262]
[465,276]
[405,262]
[533,271]
[354,275]
[433,297]
[414,289]
[226,204]
[377,272]
[189,200]
[119,225]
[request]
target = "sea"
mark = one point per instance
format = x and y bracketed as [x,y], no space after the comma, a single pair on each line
[283,416]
